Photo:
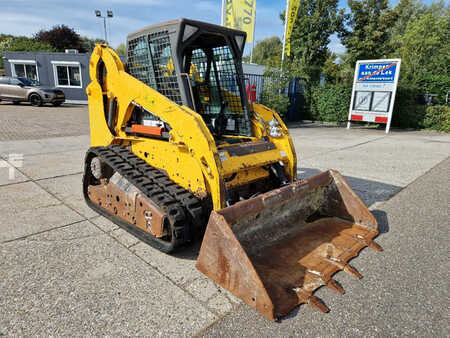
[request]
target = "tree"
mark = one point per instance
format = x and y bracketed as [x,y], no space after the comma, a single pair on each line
[424,48]
[316,21]
[121,49]
[369,26]
[21,43]
[331,68]
[405,12]
[89,44]
[267,52]
[61,37]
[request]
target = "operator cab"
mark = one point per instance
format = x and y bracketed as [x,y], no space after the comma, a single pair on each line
[198,65]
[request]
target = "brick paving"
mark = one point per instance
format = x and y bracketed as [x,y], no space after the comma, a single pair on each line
[25,122]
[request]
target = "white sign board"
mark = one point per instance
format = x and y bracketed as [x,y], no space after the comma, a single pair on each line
[373,93]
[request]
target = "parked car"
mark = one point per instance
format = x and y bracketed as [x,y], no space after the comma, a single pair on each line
[20,89]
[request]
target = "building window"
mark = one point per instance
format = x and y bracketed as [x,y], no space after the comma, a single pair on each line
[24,68]
[67,75]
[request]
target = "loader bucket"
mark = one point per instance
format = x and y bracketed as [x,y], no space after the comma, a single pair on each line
[274,250]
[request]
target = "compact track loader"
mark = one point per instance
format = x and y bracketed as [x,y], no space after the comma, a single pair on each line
[176,142]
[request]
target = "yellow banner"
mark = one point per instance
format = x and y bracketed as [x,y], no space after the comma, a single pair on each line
[292,15]
[240,14]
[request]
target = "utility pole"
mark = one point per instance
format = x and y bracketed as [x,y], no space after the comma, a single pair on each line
[253,42]
[286,16]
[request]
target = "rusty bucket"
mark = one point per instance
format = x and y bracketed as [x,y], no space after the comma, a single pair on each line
[274,250]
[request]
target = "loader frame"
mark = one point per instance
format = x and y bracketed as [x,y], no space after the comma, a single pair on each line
[191,147]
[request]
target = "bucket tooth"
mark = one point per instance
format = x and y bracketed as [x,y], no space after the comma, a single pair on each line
[317,304]
[370,243]
[352,271]
[321,278]
[335,286]
[375,246]
[344,266]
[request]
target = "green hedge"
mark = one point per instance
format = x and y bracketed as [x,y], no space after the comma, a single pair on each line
[407,113]
[437,118]
[330,103]
[435,84]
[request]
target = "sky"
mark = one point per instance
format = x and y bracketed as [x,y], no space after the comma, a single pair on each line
[26,17]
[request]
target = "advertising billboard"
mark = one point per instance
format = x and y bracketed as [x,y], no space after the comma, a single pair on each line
[374,88]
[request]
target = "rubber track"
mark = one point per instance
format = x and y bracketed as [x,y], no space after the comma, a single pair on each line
[182,208]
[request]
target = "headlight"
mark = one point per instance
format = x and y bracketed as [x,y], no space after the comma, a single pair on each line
[275,129]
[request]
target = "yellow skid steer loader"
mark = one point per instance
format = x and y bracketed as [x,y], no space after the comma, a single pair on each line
[175,142]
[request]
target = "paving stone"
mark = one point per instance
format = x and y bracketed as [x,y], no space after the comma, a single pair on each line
[203,288]
[220,304]
[69,189]
[124,237]
[104,223]
[46,145]
[79,281]
[27,122]
[25,209]
[27,195]
[49,165]
[180,267]
[9,174]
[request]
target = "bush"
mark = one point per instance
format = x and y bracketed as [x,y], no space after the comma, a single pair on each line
[407,112]
[437,118]
[435,84]
[331,102]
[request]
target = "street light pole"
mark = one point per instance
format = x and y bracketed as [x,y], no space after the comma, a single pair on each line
[109,14]
[104,26]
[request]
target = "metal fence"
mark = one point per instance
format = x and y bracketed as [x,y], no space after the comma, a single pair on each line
[294,90]
[258,81]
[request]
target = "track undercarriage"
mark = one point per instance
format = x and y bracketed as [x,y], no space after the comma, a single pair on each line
[140,198]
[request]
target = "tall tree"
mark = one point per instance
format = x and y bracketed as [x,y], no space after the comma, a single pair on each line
[267,52]
[61,37]
[424,48]
[368,29]
[405,12]
[316,21]
[331,68]
[21,43]
[121,49]
[89,44]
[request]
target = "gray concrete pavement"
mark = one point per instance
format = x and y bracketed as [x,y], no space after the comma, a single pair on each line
[77,280]
[66,270]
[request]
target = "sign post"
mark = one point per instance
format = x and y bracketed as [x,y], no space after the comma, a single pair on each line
[374,88]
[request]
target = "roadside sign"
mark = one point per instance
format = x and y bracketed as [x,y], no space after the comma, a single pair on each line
[374,88]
